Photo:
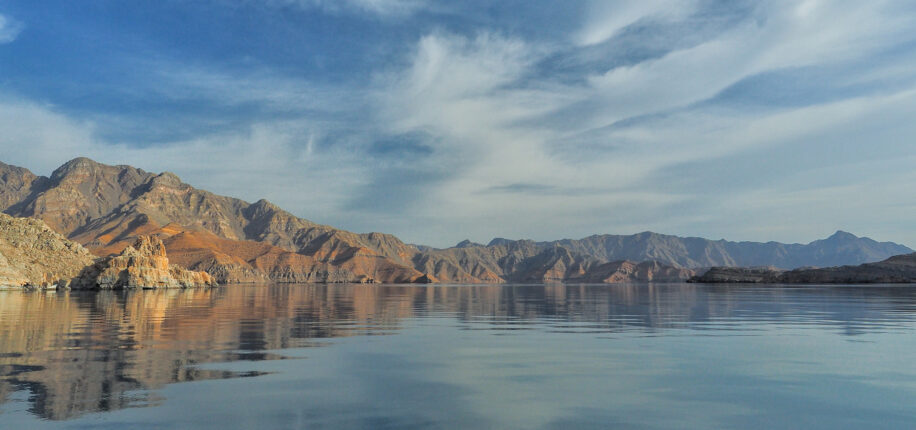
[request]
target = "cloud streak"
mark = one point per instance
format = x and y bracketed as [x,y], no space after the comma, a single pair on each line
[605,19]
[9,29]
[381,8]
[476,125]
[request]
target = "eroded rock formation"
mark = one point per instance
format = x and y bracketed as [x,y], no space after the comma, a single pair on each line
[142,265]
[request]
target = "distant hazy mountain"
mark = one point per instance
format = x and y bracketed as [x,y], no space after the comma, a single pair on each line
[839,249]
[106,207]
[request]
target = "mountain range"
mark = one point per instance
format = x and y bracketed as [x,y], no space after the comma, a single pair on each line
[105,208]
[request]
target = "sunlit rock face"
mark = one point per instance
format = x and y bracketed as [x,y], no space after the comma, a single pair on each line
[142,265]
[32,254]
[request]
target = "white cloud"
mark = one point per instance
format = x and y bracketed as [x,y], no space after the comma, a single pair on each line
[604,18]
[471,95]
[516,153]
[262,87]
[460,90]
[387,7]
[381,8]
[494,117]
[784,35]
[453,82]
[9,29]
[848,169]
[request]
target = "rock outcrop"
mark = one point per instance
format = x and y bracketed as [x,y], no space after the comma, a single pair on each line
[897,269]
[32,254]
[244,261]
[142,265]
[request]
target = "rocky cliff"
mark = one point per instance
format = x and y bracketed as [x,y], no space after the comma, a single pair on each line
[32,254]
[897,269]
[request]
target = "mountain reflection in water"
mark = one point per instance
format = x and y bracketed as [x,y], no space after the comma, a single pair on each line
[80,352]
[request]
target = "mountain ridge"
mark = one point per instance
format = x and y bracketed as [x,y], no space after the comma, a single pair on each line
[649,245]
[105,208]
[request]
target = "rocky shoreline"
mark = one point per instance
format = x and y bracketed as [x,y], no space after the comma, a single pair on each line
[900,269]
[32,255]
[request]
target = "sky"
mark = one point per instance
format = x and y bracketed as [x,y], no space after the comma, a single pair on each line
[441,121]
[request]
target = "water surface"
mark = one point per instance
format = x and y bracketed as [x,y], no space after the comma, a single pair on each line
[367,356]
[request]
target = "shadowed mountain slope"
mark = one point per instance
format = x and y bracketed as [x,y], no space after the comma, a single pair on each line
[897,269]
[839,249]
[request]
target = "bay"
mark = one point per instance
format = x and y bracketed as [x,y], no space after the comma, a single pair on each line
[645,356]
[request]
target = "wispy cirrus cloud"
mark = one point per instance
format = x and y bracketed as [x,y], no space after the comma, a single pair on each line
[9,29]
[505,127]
[680,117]
[604,19]
[382,8]
[775,36]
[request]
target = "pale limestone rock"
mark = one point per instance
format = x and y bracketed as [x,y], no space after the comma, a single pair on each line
[31,254]
[143,265]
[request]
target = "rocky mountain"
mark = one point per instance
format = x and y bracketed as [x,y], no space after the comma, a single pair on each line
[528,261]
[692,252]
[897,269]
[106,208]
[16,183]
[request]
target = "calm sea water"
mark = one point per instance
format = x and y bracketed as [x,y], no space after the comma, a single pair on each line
[524,357]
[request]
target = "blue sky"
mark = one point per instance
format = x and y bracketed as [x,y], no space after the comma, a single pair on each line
[439,121]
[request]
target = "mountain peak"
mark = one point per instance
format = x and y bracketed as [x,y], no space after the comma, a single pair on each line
[78,164]
[261,208]
[265,206]
[167,179]
[265,203]
[80,161]
[842,235]
[500,241]
[4,166]
[467,244]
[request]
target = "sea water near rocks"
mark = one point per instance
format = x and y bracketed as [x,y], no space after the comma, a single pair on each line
[498,356]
